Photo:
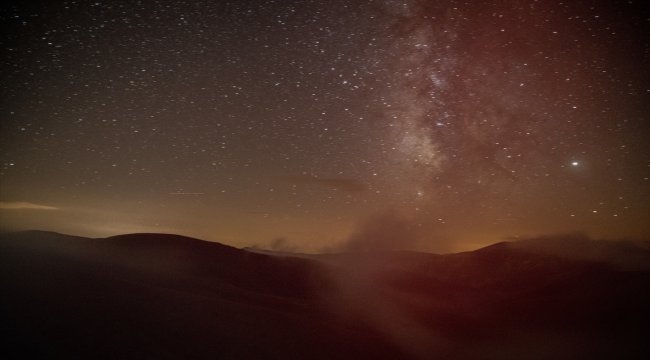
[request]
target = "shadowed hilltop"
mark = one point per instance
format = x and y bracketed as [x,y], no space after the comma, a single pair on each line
[173,297]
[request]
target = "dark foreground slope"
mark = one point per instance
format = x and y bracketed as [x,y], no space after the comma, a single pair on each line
[166,296]
[162,297]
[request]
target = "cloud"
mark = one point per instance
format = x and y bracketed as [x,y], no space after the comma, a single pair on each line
[627,254]
[22,205]
[279,244]
[282,244]
[384,231]
[359,289]
[345,184]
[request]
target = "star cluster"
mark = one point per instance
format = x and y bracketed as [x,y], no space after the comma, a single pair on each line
[246,122]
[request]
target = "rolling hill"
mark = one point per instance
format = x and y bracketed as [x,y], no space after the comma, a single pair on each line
[173,297]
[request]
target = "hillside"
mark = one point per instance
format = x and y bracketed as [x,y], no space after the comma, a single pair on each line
[173,297]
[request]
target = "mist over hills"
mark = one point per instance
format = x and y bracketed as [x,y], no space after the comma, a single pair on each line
[171,297]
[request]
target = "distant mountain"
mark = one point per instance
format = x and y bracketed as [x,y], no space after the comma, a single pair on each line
[174,297]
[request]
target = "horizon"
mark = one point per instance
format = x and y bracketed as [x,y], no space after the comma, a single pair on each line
[539,240]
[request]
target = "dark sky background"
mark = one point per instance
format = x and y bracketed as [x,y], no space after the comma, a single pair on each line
[325,125]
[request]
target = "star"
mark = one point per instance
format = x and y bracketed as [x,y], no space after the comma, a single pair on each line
[346,111]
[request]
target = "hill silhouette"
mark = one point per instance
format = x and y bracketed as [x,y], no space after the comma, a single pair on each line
[171,297]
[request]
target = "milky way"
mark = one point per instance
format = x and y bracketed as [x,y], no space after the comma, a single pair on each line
[307,123]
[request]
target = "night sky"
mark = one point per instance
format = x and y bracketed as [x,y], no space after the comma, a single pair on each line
[327,125]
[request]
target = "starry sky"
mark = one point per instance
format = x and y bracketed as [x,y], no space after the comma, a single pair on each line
[318,125]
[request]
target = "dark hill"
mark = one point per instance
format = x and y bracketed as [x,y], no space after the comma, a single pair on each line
[169,296]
